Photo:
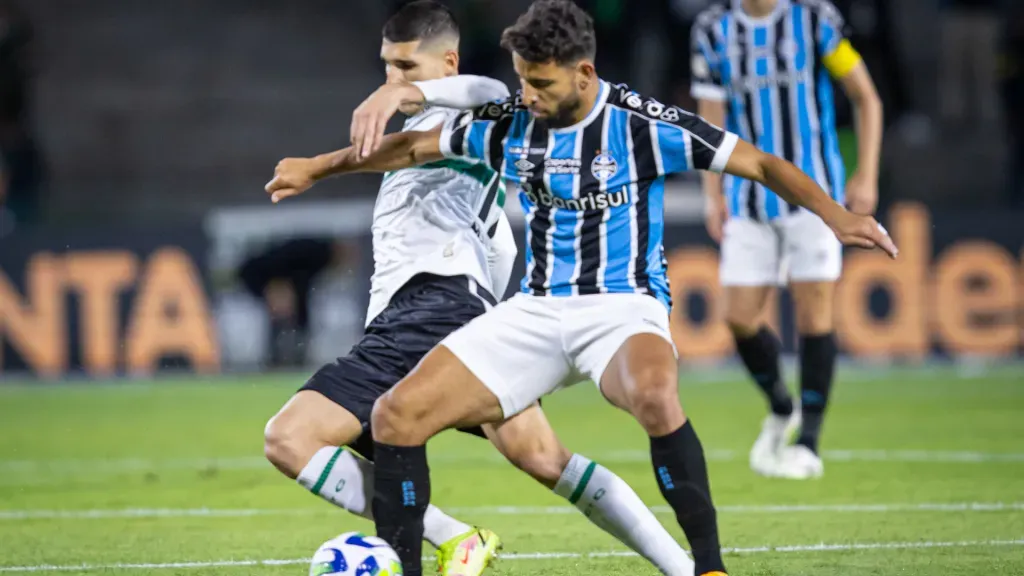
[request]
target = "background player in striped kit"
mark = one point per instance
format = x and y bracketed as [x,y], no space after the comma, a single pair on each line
[441,243]
[762,68]
[590,159]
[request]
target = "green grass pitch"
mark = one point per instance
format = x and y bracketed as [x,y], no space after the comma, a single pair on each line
[924,476]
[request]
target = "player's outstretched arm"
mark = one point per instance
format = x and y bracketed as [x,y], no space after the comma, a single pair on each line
[293,176]
[461,92]
[795,187]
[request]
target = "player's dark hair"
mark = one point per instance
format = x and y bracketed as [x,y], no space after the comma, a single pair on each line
[421,20]
[557,30]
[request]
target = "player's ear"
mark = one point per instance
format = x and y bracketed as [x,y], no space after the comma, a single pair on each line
[585,74]
[451,62]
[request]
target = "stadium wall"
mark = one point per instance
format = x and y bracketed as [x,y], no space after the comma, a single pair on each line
[106,302]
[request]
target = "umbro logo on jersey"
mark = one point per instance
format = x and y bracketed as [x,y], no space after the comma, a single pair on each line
[524,165]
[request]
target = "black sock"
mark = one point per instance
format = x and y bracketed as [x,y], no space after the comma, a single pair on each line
[683,478]
[817,365]
[401,496]
[760,354]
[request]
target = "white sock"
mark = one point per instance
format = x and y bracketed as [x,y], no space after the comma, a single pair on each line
[341,478]
[608,502]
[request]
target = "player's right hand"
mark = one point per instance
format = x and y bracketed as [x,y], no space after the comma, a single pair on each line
[863,231]
[715,215]
[371,117]
[292,177]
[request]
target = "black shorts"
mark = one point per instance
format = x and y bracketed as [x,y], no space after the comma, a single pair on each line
[420,315]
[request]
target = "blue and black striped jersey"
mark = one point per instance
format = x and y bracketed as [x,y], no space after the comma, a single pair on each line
[593,193]
[774,74]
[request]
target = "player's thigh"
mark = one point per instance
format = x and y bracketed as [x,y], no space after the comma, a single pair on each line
[815,261]
[440,393]
[529,442]
[515,350]
[750,254]
[623,343]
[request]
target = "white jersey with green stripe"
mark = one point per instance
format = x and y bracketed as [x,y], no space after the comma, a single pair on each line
[442,218]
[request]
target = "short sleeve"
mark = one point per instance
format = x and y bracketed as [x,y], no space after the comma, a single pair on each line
[689,142]
[705,65]
[477,135]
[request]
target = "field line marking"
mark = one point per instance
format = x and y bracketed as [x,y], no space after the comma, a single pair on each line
[117,465]
[98,514]
[523,556]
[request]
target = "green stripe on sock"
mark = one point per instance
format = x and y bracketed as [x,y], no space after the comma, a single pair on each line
[327,472]
[578,492]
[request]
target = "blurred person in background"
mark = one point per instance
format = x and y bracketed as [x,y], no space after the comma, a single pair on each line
[968,77]
[17,144]
[1013,97]
[282,276]
[763,69]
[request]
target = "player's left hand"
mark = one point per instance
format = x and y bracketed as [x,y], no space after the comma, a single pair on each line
[862,193]
[863,231]
[292,177]
[371,117]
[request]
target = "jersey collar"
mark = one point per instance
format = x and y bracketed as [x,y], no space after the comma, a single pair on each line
[742,16]
[602,99]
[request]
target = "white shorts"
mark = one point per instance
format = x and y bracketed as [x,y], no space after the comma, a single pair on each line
[798,247]
[530,346]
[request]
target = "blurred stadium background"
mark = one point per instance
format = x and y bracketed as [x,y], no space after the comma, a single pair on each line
[136,241]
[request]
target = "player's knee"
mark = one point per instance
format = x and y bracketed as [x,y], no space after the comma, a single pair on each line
[814,321]
[543,461]
[397,421]
[741,324]
[282,447]
[655,401]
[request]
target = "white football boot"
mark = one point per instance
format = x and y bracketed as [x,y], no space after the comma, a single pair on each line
[776,432]
[798,462]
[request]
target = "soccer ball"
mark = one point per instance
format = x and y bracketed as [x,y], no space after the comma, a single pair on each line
[355,554]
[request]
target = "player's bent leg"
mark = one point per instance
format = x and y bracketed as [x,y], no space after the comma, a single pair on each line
[528,441]
[815,320]
[303,440]
[438,394]
[305,424]
[642,378]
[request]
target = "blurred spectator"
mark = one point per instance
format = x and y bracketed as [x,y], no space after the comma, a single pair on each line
[17,145]
[1013,96]
[970,33]
[282,276]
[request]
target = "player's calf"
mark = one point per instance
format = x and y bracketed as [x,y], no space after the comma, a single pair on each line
[815,322]
[642,377]
[440,393]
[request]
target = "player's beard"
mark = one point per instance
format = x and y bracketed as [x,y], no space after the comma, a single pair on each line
[565,115]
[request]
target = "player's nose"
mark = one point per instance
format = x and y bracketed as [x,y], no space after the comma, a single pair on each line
[394,76]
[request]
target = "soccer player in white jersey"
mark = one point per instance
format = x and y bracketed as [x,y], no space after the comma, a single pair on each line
[590,160]
[442,247]
[764,70]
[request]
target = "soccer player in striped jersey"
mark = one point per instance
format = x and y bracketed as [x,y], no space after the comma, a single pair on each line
[442,246]
[764,69]
[590,160]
